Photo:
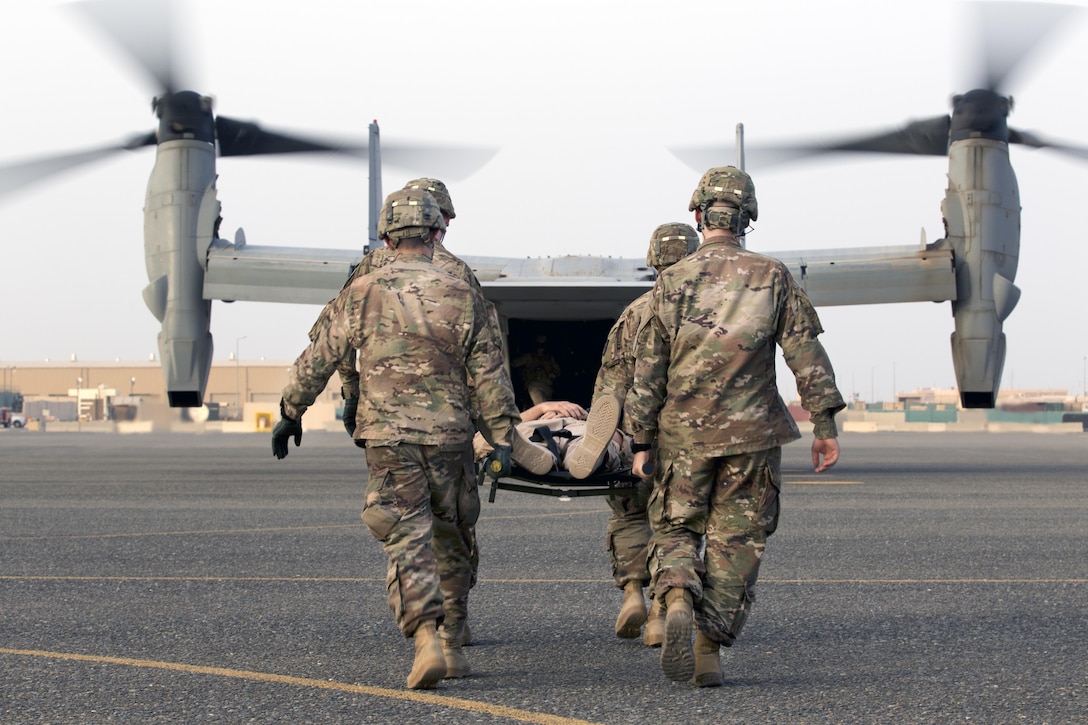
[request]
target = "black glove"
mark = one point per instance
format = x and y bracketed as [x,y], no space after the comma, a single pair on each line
[351,408]
[283,431]
[498,463]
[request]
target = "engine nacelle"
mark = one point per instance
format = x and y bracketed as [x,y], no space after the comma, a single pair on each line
[179,221]
[982,223]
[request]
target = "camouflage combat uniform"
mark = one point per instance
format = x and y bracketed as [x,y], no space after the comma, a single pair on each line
[538,371]
[628,527]
[349,375]
[443,259]
[704,389]
[429,366]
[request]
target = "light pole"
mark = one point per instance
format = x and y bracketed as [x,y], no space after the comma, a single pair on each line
[238,376]
[79,405]
[131,387]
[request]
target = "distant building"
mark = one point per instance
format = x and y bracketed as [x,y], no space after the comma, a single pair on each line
[108,390]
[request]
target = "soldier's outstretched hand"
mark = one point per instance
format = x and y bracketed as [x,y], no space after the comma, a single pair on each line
[825,453]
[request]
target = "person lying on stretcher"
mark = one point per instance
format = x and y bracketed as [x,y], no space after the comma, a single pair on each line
[560,435]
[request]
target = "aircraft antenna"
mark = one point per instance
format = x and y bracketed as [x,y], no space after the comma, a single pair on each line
[740,165]
[375,201]
[740,146]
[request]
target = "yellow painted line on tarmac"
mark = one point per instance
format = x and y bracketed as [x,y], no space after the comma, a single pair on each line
[455,703]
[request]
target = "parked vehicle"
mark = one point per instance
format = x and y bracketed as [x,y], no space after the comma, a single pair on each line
[11,419]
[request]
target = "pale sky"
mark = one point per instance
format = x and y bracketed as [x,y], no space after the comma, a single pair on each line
[583,98]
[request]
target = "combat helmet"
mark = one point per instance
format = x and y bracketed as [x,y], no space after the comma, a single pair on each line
[438,190]
[409,213]
[732,186]
[670,243]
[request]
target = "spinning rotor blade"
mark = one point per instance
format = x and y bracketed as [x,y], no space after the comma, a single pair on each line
[245,138]
[1010,31]
[926,138]
[1037,142]
[448,162]
[17,176]
[143,29]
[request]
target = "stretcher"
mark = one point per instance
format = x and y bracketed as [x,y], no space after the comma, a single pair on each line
[558,483]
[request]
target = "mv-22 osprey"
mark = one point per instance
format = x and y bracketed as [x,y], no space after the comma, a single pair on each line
[573,300]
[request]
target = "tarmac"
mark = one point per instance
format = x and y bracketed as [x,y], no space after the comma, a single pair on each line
[928,578]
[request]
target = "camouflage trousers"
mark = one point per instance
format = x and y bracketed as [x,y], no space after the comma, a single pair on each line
[422,505]
[629,536]
[729,505]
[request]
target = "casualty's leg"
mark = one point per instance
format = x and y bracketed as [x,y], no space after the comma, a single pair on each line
[601,424]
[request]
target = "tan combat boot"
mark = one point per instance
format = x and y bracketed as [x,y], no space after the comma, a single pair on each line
[708,666]
[632,613]
[654,634]
[530,456]
[601,424]
[430,664]
[677,657]
[456,662]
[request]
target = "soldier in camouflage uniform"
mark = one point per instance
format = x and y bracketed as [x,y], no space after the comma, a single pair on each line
[443,258]
[628,527]
[429,367]
[538,371]
[349,375]
[704,393]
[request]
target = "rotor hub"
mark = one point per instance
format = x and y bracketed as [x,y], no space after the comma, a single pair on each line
[980,113]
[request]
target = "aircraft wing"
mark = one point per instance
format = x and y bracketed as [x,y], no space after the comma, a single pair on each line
[873,275]
[580,287]
[550,288]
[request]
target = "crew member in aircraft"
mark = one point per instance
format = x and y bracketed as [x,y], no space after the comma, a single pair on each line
[563,436]
[449,262]
[429,368]
[704,395]
[538,370]
[628,526]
